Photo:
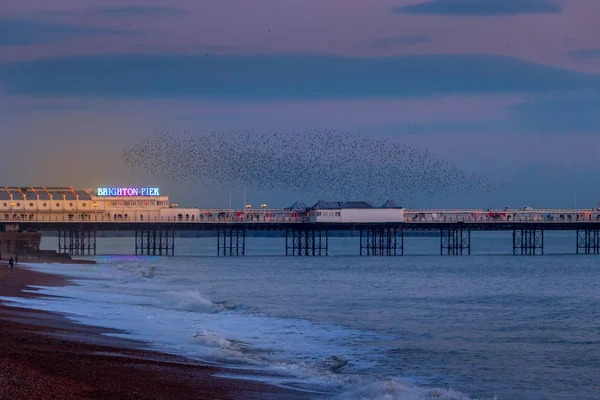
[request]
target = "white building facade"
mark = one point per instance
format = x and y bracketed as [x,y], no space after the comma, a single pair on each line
[354,212]
[101,204]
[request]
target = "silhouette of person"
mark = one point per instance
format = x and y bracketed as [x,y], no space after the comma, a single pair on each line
[11,263]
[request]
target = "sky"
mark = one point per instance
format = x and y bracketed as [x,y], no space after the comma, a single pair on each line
[505,88]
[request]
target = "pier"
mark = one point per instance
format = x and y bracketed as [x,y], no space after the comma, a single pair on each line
[78,216]
[157,237]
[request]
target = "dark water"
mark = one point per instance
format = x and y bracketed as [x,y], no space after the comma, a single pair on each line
[518,327]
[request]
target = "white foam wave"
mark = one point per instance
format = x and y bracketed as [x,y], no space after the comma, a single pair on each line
[392,389]
[192,300]
[211,339]
[147,272]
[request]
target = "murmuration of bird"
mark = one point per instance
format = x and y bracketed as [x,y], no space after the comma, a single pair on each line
[324,163]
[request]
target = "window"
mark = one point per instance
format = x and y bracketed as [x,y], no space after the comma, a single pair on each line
[337,214]
[83,204]
[5,204]
[18,204]
[146,203]
[57,204]
[30,204]
[44,204]
[318,213]
[70,204]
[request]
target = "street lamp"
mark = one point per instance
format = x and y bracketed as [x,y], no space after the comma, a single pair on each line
[264,206]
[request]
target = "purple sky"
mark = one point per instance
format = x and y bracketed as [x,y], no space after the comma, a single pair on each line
[510,88]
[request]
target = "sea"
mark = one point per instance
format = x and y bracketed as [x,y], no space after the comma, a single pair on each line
[490,325]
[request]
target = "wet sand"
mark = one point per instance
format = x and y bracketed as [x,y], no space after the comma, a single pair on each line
[45,356]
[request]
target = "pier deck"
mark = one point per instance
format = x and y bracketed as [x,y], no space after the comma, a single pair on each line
[77,233]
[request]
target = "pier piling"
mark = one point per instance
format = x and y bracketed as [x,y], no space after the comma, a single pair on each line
[77,240]
[588,241]
[155,242]
[455,241]
[528,241]
[381,241]
[231,241]
[306,242]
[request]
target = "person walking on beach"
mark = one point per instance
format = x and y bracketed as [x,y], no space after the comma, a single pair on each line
[11,263]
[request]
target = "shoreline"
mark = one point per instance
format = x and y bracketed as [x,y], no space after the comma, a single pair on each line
[43,354]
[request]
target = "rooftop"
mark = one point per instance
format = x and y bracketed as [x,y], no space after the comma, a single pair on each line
[42,193]
[336,205]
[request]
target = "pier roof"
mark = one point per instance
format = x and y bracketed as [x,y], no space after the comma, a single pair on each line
[297,206]
[43,193]
[337,205]
[390,204]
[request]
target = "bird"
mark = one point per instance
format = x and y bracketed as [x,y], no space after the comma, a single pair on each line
[319,163]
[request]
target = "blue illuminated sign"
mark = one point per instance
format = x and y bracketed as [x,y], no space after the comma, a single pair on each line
[127,192]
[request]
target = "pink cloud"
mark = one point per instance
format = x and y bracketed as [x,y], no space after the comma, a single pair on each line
[337,26]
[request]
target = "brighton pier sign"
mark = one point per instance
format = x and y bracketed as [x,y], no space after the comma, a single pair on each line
[127,192]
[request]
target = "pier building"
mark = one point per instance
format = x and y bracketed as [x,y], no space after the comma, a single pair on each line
[353,212]
[58,203]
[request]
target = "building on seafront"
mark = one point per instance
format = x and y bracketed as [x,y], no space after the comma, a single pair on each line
[116,204]
[54,203]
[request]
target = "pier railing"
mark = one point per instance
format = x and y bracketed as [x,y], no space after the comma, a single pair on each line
[151,220]
[284,216]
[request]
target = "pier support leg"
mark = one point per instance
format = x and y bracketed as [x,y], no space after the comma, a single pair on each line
[382,241]
[588,241]
[306,242]
[155,242]
[231,241]
[455,241]
[77,240]
[528,241]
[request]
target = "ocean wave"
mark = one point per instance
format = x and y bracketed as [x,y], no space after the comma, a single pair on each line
[211,339]
[194,300]
[147,272]
[393,389]
[133,272]
[333,363]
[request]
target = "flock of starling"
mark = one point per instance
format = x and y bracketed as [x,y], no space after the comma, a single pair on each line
[324,164]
